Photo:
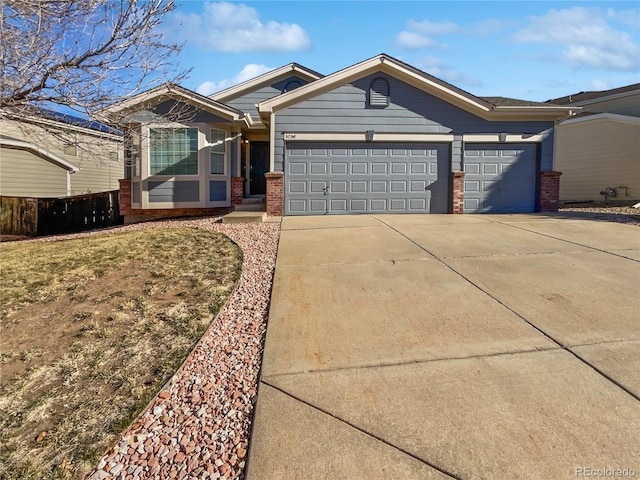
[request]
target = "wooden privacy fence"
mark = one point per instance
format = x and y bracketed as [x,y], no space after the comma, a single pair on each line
[49,216]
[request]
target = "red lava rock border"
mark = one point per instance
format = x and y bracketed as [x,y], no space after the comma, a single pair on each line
[198,425]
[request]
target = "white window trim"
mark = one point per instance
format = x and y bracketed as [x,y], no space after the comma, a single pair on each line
[187,176]
[227,154]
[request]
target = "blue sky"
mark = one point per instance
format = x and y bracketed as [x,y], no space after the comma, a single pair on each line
[533,50]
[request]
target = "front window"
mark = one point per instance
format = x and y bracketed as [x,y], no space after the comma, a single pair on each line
[173,151]
[218,150]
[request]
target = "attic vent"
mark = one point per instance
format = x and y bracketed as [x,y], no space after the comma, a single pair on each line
[292,85]
[379,93]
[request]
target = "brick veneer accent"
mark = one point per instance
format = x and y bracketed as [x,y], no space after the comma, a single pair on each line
[124,196]
[457,180]
[549,191]
[275,193]
[237,190]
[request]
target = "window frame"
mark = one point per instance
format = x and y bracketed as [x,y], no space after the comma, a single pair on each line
[224,152]
[172,142]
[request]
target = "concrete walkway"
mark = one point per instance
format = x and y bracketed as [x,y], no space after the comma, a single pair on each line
[442,346]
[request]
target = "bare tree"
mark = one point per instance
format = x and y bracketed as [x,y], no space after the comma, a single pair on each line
[82,54]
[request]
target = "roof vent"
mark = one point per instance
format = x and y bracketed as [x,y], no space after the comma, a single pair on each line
[379,93]
[292,85]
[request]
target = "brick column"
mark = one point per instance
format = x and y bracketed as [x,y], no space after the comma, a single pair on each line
[237,187]
[549,191]
[124,196]
[275,193]
[457,180]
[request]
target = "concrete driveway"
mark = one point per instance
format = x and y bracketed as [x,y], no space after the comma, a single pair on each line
[442,346]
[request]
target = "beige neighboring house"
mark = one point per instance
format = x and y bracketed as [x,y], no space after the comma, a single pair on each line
[58,156]
[598,150]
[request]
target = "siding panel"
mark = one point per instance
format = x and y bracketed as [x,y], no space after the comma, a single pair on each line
[345,110]
[174,192]
[595,155]
[247,102]
[25,174]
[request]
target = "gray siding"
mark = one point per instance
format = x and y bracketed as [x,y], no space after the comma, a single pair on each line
[411,110]
[217,191]
[247,103]
[24,174]
[174,192]
[183,113]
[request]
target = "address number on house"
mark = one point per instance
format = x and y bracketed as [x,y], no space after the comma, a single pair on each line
[290,136]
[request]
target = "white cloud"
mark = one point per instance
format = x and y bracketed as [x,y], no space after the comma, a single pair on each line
[419,35]
[228,27]
[249,71]
[436,67]
[628,17]
[414,40]
[588,41]
[433,28]
[487,27]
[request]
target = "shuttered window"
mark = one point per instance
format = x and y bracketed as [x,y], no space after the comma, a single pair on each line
[379,93]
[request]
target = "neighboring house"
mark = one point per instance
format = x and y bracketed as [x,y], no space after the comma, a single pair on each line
[379,136]
[55,155]
[598,150]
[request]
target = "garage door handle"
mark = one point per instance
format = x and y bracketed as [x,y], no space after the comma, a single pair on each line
[326,190]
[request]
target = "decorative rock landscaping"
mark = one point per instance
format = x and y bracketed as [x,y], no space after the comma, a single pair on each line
[198,425]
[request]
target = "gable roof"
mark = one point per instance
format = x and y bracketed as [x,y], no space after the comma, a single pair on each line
[582,97]
[502,108]
[265,79]
[14,143]
[171,91]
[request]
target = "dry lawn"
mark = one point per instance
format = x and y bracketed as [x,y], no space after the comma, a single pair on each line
[91,329]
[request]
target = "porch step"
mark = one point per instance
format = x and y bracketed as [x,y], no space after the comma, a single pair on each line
[251,207]
[245,217]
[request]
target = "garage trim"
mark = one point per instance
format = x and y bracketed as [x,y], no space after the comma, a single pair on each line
[508,138]
[361,137]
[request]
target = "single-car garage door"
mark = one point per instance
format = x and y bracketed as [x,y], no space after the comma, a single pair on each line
[323,178]
[500,178]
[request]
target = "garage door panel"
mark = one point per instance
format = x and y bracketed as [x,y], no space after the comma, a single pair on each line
[338,187]
[398,186]
[359,168]
[318,187]
[318,168]
[500,178]
[399,168]
[318,206]
[297,187]
[339,168]
[297,168]
[367,178]
[418,186]
[379,168]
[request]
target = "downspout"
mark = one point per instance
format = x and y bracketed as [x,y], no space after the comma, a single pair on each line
[69,173]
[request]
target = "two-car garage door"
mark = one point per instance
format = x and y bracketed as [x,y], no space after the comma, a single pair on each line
[322,178]
[336,178]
